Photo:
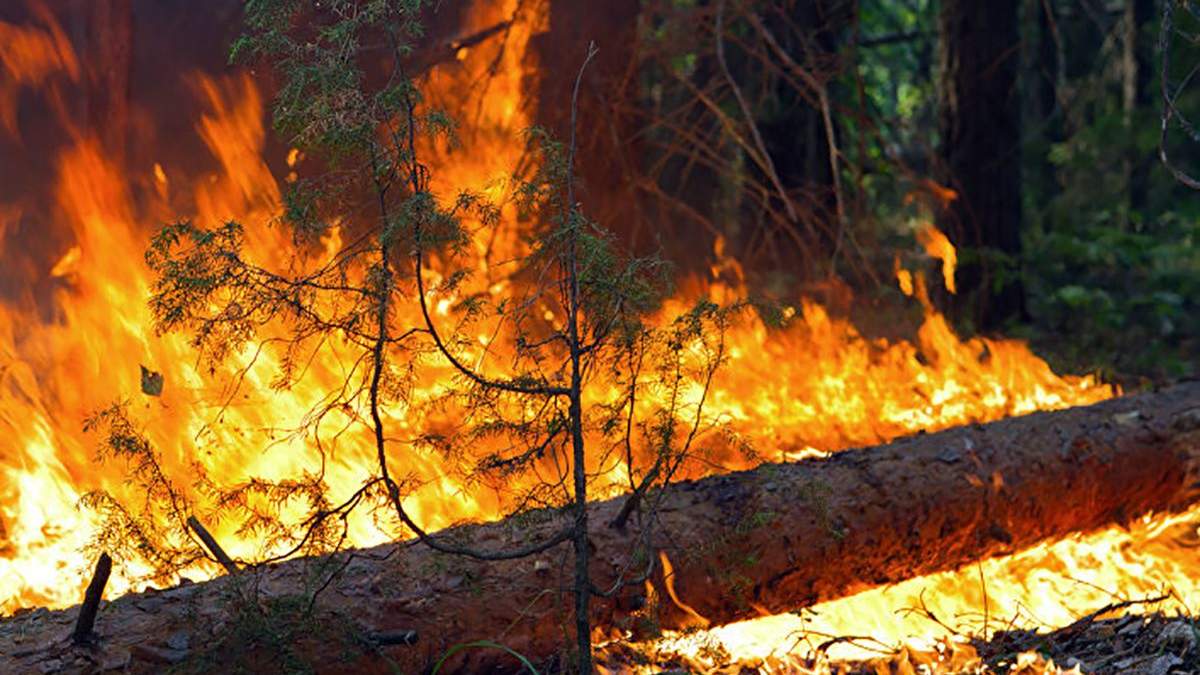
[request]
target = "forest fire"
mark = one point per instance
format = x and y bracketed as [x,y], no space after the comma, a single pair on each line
[813,386]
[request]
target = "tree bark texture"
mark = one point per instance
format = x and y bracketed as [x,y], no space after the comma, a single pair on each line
[776,538]
[606,156]
[980,153]
[1138,64]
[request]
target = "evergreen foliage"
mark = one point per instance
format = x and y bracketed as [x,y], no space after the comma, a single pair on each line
[346,100]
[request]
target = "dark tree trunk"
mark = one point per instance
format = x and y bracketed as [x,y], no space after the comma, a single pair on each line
[797,138]
[104,39]
[606,157]
[1138,95]
[980,153]
[1043,72]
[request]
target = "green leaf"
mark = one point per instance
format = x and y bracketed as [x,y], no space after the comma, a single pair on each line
[1075,296]
[482,644]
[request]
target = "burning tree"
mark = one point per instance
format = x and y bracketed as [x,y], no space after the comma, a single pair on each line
[422,356]
[383,275]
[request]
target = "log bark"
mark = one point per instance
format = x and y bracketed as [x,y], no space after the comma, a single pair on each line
[785,536]
[777,538]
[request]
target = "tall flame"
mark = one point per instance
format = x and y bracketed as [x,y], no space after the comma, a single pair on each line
[938,246]
[29,57]
[817,385]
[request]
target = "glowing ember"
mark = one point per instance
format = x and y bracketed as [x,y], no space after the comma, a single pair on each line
[1047,586]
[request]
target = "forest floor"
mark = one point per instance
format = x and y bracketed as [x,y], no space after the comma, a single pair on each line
[264,620]
[178,631]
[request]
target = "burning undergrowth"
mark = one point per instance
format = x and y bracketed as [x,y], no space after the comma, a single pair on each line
[258,625]
[798,381]
[1105,642]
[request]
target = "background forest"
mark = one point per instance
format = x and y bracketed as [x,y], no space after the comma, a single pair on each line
[1108,251]
[1043,117]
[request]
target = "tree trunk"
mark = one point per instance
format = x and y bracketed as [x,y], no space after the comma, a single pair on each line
[1044,72]
[1137,94]
[104,38]
[606,154]
[980,154]
[777,538]
[796,136]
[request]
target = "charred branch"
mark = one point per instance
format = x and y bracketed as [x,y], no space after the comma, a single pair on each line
[211,544]
[84,633]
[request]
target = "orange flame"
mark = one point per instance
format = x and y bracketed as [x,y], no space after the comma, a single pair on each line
[815,386]
[29,56]
[695,619]
[938,246]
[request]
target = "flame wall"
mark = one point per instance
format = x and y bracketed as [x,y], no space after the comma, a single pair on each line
[75,327]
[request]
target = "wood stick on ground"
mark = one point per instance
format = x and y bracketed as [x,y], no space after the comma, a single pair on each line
[211,543]
[83,633]
[393,638]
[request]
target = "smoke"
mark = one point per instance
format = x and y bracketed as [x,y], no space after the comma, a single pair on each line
[115,74]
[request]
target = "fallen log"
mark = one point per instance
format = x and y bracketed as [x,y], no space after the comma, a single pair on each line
[928,503]
[786,536]
[781,536]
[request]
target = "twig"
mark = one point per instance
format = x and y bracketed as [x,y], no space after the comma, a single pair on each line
[855,640]
[91,601]
[447,51]
[211,544]
[1169,111]
[393,638]
[923,610]
[1084,621]
[767,162]
[822,92]
[986,608]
